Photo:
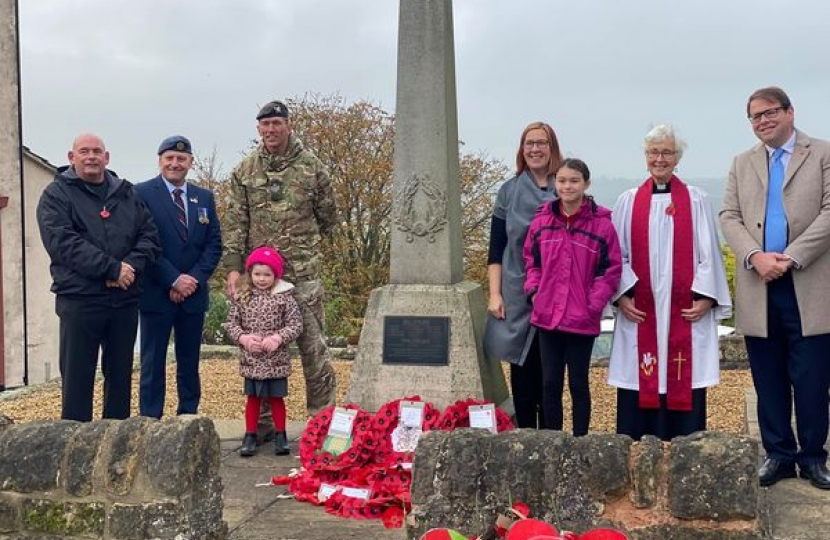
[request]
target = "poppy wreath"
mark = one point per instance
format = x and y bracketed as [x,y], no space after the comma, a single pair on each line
[305,484]
[361,451]
[385,422]
[457,416]
[375,507]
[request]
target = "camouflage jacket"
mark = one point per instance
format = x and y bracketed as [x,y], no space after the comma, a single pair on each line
[282,201]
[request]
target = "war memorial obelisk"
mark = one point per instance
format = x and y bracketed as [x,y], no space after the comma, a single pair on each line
[422,333]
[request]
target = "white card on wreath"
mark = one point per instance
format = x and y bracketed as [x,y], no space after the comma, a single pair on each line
[326,491]
[357,493]
[412,414]
[483,417]
[342,422]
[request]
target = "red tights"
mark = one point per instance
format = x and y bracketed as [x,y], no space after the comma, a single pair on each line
[252,413]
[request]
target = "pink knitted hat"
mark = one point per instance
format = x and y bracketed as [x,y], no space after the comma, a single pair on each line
[267,256]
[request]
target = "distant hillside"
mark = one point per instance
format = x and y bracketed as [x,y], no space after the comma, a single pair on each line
[606,190]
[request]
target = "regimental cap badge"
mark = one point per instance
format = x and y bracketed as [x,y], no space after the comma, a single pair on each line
[273,109]
[176,143]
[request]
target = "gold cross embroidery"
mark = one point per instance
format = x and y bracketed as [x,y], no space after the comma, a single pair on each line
[679,361]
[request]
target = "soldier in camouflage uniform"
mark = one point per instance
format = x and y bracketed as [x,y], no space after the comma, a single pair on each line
[280,195]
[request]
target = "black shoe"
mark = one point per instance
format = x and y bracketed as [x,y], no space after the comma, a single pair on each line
[816,473]
[281,444]
[248,445]
[773,470]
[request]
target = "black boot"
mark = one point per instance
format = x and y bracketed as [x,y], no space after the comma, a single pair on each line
[281,444]
[248,445]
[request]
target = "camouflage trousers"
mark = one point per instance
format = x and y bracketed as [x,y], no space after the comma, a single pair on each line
[320,383]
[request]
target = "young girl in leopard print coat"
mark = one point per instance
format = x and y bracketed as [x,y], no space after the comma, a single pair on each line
[263,320]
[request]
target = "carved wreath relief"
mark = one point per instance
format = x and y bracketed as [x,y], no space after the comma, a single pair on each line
[421,208]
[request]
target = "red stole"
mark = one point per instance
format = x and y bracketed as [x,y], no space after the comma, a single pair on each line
[679,365]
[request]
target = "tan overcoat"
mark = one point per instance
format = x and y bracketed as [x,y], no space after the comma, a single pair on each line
[807,206]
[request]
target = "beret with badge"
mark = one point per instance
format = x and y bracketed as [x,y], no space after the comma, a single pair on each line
[273,109]
[177,143]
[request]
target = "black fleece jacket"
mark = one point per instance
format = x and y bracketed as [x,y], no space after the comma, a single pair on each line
[88,235]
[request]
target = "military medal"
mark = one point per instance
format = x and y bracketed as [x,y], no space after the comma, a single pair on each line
[203,216]
[105,214]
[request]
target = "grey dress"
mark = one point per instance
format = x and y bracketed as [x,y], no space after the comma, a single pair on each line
[509,339]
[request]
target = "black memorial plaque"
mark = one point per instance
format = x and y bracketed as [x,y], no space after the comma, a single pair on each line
[419,341]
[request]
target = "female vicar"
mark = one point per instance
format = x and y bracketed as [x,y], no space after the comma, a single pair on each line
[673,291]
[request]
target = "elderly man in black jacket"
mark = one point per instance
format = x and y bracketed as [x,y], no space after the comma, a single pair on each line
[100,238]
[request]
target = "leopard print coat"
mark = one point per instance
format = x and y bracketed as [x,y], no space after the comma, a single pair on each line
[266,313]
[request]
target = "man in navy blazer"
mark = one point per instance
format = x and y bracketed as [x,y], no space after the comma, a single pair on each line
[175,295]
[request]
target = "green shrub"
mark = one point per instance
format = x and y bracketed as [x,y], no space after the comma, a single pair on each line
[214,332]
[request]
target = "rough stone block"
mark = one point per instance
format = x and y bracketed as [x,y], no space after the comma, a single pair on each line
[140,521]
[31,455]
[181,452]
[124,453]
[667,532]
[63,518]
[606,459]
[713,475]
[204,510]
[9,513]
[647,471]
[81,452]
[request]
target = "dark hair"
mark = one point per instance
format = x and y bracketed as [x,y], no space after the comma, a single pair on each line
[577,165]
[555,152]
[770,93]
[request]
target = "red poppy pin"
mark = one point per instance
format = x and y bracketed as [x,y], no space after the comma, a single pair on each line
[105,214]
[670,209]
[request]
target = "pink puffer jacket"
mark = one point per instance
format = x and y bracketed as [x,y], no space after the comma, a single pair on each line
[573,267]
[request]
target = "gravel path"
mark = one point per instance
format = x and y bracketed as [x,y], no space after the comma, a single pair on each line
[222,397]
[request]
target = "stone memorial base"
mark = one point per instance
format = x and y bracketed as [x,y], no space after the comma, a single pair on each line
[467,374]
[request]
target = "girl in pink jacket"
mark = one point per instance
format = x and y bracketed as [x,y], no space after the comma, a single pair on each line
[574,266]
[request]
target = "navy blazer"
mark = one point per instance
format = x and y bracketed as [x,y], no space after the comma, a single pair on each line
[197,256]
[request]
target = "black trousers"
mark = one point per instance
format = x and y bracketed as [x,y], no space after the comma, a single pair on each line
[526,387]
[85,329]
[787,366]
[560,350]
[155,337]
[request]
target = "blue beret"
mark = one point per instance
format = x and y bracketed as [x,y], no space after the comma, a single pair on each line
[273,109]
[177,143]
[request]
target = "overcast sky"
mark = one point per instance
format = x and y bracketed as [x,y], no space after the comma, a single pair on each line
[600,72]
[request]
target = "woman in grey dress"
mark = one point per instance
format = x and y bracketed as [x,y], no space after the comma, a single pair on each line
[509,336]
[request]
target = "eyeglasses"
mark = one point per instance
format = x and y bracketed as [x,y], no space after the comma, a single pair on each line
[541,144]
[769,114]
[665,154]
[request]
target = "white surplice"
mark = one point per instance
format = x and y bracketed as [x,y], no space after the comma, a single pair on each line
[709,280]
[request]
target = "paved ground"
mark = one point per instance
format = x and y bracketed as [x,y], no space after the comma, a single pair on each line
[794,510]
[256,510]
[260,512]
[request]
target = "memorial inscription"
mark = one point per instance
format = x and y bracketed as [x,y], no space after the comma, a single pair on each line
[416,340]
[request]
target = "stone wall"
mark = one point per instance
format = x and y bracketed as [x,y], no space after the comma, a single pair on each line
[128,480]
[701,487]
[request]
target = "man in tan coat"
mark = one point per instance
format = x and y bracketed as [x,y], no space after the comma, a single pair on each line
[776,218]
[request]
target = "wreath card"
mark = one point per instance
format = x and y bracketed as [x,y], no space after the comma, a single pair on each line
[339,436]
[483,417]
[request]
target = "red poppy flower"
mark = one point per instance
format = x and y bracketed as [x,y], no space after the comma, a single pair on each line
[670,210]
[105,214]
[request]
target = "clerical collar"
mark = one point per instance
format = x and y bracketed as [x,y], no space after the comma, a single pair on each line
[661,188]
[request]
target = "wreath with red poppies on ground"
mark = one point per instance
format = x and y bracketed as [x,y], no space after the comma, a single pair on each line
[370,462]
[387,419]
[457,416]
[360,452]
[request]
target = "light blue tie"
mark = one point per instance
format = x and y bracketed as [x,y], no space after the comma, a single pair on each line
[775,227]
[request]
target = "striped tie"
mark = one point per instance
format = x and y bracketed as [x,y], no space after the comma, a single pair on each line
[177,198]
